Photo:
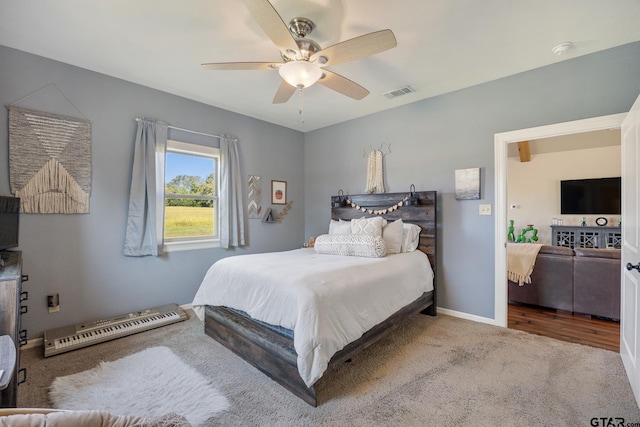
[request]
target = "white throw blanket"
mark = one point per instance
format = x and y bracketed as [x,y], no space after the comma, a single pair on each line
[327,300]
[521,258]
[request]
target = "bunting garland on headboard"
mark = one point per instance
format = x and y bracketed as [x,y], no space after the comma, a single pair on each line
[49,161]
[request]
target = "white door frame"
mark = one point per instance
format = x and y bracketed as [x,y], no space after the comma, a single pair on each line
[501,141]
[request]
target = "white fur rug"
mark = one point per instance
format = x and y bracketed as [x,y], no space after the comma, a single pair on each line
[150,383]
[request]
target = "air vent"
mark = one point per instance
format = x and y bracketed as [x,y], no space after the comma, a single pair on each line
[398,92]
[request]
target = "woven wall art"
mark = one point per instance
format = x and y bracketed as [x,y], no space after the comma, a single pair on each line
[49,161]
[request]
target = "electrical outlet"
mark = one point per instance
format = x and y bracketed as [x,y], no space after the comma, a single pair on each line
[53,303]
[485,210]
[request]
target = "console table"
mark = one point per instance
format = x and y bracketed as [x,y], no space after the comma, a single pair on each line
[11,308]
[576,236]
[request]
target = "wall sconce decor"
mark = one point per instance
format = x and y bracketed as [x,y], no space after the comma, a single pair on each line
[412,197]
[339,201]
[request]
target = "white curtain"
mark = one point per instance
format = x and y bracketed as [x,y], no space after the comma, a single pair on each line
[145,219]
[231,201]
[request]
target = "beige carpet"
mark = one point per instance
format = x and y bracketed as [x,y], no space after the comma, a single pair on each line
[440,371]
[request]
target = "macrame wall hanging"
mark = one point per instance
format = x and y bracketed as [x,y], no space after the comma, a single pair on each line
[375,172]
[49,161]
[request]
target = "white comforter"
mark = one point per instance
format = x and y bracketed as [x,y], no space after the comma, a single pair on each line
[327,300]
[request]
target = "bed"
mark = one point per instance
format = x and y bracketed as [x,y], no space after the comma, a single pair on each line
[295,348]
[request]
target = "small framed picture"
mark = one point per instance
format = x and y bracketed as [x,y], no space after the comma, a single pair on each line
[468,184]
[278,192]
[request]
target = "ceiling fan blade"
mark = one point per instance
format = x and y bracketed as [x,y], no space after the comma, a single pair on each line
[242,65]
[343,85]
[272,24]
[357,48]
[285,91]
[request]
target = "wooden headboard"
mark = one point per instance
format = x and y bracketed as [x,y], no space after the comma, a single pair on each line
[423,214]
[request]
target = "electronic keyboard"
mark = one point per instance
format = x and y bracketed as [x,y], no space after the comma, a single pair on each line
[67,338]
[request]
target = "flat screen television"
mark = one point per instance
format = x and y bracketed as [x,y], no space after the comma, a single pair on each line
[594,196]
[9,222]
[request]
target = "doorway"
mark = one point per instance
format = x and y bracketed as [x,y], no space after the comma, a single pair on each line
[501,146]
[533,198]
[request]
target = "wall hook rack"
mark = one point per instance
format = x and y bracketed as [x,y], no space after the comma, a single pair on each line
[369,149]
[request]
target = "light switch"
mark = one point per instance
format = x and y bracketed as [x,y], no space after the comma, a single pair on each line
[485,209]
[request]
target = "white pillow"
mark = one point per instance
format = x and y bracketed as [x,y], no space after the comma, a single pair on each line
[339,227]
[392,234]
[363,245]
[371,226]
[410,237]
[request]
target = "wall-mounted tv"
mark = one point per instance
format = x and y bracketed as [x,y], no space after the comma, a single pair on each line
[595,196]
[9,222]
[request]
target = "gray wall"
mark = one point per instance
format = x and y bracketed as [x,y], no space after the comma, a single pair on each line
[431,138]
[80,256]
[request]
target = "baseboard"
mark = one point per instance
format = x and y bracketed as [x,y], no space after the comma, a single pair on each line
[467,316]
[36,342]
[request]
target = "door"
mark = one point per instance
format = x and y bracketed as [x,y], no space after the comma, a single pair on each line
[630,292]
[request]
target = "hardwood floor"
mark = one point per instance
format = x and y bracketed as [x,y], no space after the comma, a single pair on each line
[565,326]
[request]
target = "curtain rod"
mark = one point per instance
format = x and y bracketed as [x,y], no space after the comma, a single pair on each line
[187,130]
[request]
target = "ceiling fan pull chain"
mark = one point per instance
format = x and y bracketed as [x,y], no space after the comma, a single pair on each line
[301,108]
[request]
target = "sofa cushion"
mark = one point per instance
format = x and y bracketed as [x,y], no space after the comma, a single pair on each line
[41,417]
[596,284]
[598,253]
[556,250]
[551,280]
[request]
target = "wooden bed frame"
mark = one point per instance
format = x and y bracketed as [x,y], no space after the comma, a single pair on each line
[274,354]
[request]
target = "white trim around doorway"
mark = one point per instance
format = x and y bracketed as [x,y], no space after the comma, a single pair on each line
[501,142]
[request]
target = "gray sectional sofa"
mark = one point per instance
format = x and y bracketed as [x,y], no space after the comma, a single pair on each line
[581,280]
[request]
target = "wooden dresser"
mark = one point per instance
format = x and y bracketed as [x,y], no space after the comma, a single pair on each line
[11,309]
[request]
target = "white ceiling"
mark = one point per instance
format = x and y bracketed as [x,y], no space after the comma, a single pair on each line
[443,45]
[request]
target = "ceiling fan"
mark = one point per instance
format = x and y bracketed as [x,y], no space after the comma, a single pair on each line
[304,62]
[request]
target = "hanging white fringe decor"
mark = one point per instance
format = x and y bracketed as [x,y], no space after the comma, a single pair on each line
[53,190]
[375,178]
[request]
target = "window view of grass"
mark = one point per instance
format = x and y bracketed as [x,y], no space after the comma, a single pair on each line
[187,221]
[190,206]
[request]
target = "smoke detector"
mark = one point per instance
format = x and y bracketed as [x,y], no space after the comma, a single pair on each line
[562,48]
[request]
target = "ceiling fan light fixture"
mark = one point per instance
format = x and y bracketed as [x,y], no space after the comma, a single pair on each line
[300,73]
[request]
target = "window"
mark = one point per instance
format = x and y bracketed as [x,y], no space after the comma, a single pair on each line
[190,201]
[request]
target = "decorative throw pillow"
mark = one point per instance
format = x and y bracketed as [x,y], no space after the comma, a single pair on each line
[363,245]
[339,227]
[371,226]
[392,235]
[410,237]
